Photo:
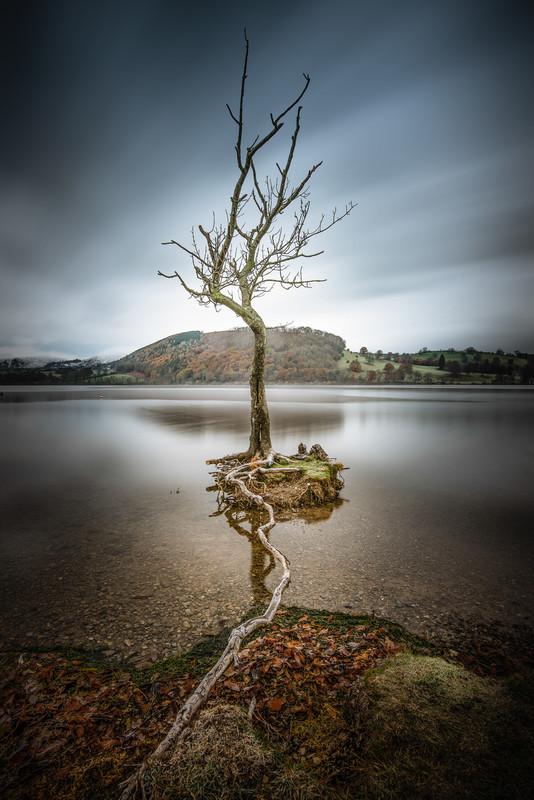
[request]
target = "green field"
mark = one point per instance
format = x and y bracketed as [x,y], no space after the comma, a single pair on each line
[497,367]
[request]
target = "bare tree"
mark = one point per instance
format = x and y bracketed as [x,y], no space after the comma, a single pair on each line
[252,252]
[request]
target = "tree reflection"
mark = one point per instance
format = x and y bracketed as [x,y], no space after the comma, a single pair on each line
[246,523]
[262,563]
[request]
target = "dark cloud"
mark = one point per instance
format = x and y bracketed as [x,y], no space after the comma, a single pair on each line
[117,138]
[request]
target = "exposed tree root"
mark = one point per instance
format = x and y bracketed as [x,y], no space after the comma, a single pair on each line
[236,475]
[261,484]
[285,482]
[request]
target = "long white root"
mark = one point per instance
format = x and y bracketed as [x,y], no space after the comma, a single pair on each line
[134,786]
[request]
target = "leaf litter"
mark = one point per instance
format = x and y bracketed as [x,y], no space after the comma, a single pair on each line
[72,728]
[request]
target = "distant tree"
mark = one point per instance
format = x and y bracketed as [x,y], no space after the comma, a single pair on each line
[355,366]
[470,350]
[371,376]
[379,355]
[245,257]
[527,371]
[363,350]
[454,368]
[441,362]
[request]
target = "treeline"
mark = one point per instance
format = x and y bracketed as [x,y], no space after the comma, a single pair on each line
[506,368]
[16,372]
[294,355]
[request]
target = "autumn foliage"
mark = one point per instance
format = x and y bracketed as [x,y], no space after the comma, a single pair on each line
[295,355]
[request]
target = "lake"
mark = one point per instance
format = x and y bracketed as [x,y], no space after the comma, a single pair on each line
[112,539]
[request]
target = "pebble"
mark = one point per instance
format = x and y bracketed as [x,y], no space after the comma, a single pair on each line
[121,608]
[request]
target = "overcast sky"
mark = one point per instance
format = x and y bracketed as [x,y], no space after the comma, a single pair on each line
[115,138]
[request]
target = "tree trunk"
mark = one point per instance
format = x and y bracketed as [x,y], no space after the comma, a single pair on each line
[260,426]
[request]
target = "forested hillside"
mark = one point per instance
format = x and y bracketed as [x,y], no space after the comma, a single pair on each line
[295,355]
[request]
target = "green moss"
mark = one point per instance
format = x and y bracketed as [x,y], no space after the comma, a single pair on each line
[314,469]
[411,726]
[425,727]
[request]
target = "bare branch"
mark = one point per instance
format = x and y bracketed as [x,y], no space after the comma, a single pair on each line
[241,103]
[193,253]
[256,247]
[299,98]
[192,292]
[232,115]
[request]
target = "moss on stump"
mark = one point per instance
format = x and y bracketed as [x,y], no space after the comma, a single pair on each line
[295,483]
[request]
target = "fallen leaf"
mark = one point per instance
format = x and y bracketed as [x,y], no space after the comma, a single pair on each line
[62,773]
[107,743]
[72,705]
[275,704]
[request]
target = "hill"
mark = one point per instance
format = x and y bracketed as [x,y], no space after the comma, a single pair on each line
[304,355]
[294,355]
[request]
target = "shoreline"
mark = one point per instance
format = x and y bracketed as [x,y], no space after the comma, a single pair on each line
[492,645]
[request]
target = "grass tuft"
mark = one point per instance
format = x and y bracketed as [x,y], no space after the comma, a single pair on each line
[219,757]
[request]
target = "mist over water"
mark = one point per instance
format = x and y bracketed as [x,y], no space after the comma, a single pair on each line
[99,548]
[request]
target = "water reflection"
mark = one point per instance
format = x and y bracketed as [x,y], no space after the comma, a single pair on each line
[436,514]
[225,417]
[232,416]
[262,563]
[246,523]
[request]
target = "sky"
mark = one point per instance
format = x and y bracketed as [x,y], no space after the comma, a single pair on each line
[115,138]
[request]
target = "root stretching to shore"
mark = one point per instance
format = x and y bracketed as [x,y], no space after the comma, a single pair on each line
[281,481]
[236,476]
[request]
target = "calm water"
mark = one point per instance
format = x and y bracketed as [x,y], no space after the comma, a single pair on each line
[99,548]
